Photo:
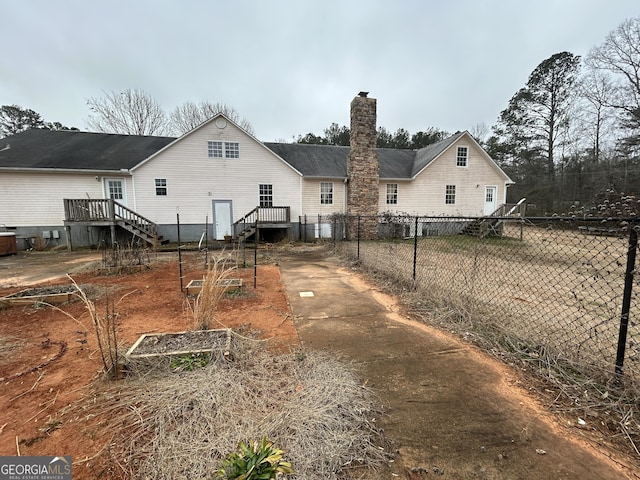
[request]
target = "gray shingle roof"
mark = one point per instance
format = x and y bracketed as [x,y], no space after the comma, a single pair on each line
[37,148]
[101,151]
[331,161]
[313,160]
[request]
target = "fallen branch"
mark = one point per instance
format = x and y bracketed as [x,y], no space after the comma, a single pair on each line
[61,352]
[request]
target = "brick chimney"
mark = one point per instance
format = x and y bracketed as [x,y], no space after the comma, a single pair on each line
[362,165]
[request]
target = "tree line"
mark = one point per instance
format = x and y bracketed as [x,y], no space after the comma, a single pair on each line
[131,112]
[401,138]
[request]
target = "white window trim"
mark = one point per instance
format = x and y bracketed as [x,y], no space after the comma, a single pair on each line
[211,150]
[397,193]
[466,164]
[331,193]
[165,186]
[225,149]
[452,195]
[261,195]
[228,150]
[107,194]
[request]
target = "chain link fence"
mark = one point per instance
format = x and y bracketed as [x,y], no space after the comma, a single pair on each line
[558,294]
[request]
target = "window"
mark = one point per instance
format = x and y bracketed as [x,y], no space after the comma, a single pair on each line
[489,193]
[463,155]
[214,149]
[223,149]
[231,150]
[115,189]
[266,195]
[326,193]
[161,186]
[392,193]
[450,195]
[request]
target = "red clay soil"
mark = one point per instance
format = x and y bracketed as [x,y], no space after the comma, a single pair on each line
[69,360]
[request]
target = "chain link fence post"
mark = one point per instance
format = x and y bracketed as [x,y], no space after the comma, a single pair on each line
[415,251]
[626,298]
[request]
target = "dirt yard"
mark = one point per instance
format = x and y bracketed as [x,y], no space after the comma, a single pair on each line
[30,403]
[60,358]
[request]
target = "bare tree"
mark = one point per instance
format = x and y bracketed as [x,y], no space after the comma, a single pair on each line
[132,112]
[596,94]
[480,132]
[189,115]
[620,55]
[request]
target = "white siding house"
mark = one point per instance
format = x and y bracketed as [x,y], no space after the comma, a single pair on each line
[447,185]
[188,177]
[217,174]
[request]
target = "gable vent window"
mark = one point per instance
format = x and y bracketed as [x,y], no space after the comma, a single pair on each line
[266,195]
[326,193]
[161,187]
[450,195]
[462,157]
[392,193]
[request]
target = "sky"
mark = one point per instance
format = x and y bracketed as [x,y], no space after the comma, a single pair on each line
[292,67]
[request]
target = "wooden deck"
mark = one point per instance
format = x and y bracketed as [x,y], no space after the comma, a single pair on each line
[262,218]
[108,213]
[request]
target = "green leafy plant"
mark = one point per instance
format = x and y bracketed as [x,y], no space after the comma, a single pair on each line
[190,361]
[254,460]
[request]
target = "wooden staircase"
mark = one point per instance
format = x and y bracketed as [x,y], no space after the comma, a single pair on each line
[493,225]
[261,217]
[108,212]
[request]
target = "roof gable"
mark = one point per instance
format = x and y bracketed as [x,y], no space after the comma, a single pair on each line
[427,155]
[204,125]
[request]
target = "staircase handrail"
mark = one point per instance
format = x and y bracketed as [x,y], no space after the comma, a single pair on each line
[500,211]
[265,215]
[246,218]
[134,219]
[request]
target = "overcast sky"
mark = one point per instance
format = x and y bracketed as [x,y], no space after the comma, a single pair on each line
[291,67]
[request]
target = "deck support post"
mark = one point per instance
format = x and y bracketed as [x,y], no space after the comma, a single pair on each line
[67,229]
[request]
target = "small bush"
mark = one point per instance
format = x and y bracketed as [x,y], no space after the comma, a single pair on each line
[254,461]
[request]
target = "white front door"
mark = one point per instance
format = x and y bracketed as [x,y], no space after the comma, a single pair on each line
[490,194]
[221,218]
[114,188]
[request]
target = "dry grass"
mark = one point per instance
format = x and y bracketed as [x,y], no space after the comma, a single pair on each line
[213,290]
[180,426]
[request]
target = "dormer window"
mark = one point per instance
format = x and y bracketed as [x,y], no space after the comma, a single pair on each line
[462,156]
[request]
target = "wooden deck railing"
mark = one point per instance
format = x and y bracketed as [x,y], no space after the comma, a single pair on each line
[87,210]
[107,210]
[266,215]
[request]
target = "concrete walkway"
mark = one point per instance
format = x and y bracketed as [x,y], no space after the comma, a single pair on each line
[451,410]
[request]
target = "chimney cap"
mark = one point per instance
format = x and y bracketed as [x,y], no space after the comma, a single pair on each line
[363,94]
